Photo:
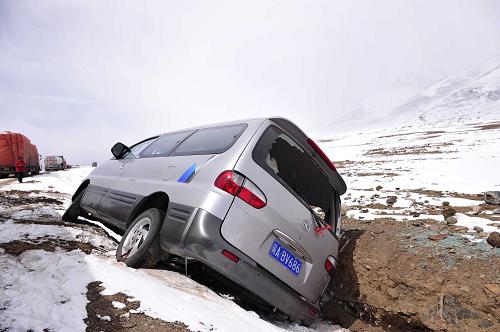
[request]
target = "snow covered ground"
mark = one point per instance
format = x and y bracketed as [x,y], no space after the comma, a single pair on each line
[47,289]
[422,168]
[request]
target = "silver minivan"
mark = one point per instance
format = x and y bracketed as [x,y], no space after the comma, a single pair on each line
[255,200]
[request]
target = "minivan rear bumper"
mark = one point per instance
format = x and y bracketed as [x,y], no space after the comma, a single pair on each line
[204,242]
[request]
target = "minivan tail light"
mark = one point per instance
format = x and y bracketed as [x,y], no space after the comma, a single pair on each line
[251,194]
[321,154]
[330,264]
[230,182]
[237,185]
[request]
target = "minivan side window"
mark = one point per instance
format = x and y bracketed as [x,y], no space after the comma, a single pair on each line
[164,145]
[136,149]
[210,140]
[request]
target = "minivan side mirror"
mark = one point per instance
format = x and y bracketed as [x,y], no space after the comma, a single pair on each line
[119,150]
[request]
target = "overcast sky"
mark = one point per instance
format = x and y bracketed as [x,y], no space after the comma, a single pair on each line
[77,76]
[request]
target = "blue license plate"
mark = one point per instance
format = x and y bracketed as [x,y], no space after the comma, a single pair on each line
[282,255]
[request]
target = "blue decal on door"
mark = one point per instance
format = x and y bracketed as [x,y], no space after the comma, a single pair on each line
[188,174]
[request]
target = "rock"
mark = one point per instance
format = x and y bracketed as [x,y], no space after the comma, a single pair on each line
[437,237]
[478,229]
[391,200]
[493,288]
[446,203]
[448,212]
[476,209]
[492,197]
[465,289]
[426,201]
[482,235]
[494,239]
[415,214]
[496,211]
[434,227]
[343,209]
[368,267]
[124,317]
[364,210]
[407,194]
[393,294]
[377,188]
[486,324]
[451,220]
[482,276]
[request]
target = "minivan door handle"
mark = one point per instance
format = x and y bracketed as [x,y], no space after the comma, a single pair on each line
[294,245]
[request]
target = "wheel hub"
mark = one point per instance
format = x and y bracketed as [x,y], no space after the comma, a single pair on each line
[136,237]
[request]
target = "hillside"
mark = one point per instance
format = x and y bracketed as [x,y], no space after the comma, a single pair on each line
[470,94]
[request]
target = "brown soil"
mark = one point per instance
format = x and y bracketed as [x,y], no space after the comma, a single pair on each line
[409,150]
[8,197]
[102,305]
[382,174]
[444,194]
[432,132]
[391,277]
[17,247]
[39,222]
[493,125]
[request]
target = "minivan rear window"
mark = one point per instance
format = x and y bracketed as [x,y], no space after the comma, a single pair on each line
[284,159]
[210,140]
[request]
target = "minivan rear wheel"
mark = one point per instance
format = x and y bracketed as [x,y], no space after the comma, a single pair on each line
[136,246]
[73,211]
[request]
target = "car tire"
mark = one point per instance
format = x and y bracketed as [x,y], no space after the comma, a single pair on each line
[73,211]
[137,246]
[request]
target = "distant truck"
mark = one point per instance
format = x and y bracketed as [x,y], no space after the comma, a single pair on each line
[54,163]
[13,146]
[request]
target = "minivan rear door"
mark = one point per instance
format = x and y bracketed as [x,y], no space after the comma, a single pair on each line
[281,236]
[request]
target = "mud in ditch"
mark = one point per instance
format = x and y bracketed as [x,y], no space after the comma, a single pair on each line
[121,319]
[392,277]
[17,247]
[345,313]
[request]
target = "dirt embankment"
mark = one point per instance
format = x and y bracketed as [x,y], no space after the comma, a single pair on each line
[391,277]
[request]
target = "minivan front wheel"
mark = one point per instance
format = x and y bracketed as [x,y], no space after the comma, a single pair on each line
[135,248]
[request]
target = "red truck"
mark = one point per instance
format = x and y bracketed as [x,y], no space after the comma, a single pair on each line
[13,146]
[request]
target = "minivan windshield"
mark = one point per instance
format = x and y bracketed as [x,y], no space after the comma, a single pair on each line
[282,157]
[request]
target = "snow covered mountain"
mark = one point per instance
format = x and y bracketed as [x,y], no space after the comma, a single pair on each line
[470,94]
